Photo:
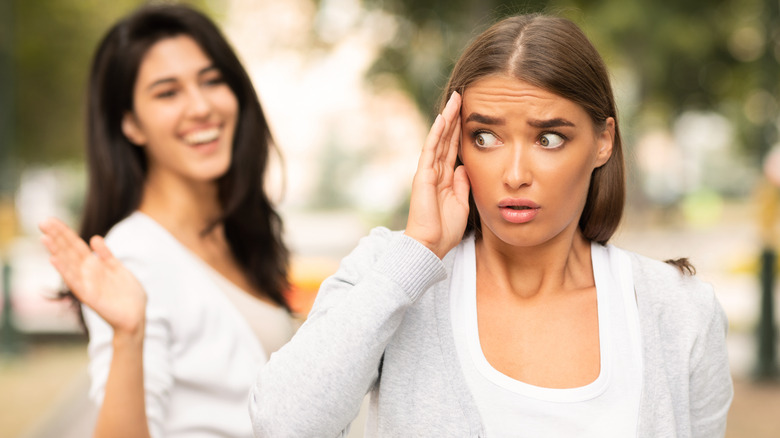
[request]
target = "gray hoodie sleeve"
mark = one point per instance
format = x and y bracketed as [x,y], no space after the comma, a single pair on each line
[314,385]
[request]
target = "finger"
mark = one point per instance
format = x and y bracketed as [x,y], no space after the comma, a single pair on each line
[450,114]
[461,185]
[454,146]
[452,108]
[431,142]
[65,239]
[98,244]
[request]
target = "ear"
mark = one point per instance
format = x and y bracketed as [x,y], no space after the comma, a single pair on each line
[605,140]
[131,130]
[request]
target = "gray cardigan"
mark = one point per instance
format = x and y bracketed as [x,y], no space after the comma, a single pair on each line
[382,324]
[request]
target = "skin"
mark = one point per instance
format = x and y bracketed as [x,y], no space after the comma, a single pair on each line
[184,117]
[536,296]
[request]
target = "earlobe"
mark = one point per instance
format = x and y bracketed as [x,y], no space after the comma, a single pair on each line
[606,140]
[131,130]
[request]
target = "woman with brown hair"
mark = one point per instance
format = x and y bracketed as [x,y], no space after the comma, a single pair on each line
[177,151]
[501,310]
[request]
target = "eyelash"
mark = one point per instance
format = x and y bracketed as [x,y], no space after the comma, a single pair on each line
[166,94]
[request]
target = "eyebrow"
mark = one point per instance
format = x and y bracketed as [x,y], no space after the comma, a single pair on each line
[162,81]
[550,123]
[541,124]
[488,120]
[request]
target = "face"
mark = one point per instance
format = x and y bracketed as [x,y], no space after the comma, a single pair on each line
[529,155]
[184,113]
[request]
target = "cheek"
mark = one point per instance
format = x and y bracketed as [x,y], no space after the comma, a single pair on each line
[482,174]
[227,103]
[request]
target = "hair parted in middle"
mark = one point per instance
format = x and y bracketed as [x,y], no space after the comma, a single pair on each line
[552,53]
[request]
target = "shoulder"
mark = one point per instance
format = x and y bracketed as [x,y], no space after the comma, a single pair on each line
[139,237]
[664,292]
[149,252]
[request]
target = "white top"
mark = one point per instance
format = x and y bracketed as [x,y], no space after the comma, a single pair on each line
[200,354]
[270,323]
[607,407]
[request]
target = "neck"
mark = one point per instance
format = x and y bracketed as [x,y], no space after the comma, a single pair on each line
[561,264]
[184,208]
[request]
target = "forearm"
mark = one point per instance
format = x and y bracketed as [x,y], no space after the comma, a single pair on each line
[123,412]
[314,385]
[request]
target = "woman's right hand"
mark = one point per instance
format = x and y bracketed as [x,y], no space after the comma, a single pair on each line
[96,277]
[439,205]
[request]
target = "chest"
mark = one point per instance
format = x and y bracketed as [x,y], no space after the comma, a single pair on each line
[552,342]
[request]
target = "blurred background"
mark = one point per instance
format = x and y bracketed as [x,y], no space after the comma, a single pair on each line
[350,88]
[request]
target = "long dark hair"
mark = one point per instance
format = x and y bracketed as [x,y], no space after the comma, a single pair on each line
[117,169]
[552,53]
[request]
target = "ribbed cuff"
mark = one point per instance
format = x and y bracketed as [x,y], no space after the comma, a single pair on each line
[411,265]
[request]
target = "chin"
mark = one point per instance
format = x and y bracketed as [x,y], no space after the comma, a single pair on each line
[212,172]
[519,235]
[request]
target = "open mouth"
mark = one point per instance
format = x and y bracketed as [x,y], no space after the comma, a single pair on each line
[201,137]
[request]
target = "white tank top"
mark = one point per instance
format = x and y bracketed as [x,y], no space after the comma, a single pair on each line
[272,325]
[606,407]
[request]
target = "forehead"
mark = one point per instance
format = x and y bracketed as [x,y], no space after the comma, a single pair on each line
[172,57]
[496,94]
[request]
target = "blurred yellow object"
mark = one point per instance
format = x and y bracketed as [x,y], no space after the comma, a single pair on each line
[306,275]
[7,222]
[767,214]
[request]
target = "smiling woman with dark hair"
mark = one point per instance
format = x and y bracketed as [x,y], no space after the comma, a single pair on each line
[501,310]
[177,150]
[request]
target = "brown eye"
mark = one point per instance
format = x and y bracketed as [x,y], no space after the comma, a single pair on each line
[485,140]
[551,140]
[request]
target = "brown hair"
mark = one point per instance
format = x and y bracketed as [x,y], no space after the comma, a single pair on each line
[554,54]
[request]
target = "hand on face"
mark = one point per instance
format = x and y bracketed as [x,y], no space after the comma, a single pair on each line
[97,278]
[439,204]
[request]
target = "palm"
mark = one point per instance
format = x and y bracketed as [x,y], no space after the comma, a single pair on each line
[439,204]
[96,278]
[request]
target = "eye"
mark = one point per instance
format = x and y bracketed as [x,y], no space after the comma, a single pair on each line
[484,140]
[551,140]
[165,94]
[216,80]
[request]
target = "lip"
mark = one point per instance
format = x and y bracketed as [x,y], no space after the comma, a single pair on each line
[511,211]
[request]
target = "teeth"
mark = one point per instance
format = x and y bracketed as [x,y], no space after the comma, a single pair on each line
[205,136]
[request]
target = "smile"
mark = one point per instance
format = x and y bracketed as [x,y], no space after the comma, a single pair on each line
[203,136]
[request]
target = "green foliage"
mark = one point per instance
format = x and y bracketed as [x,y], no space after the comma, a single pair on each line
[51,44]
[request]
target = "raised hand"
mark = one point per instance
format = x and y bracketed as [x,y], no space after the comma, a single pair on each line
[439,204]
[96,277]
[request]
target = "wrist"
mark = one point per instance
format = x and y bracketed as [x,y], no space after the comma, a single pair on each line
[129,336]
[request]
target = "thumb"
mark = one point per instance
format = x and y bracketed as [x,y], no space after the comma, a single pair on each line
[98,245]
[461,185]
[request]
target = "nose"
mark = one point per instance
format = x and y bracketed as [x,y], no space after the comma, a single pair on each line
[199,105]
[517,167]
